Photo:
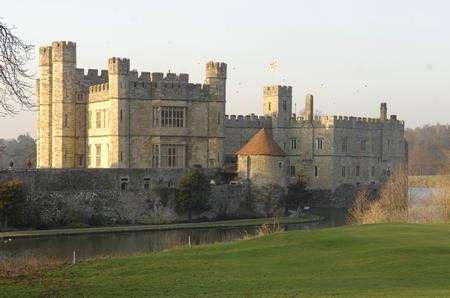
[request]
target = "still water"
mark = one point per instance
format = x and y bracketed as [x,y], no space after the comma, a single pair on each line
[94,245]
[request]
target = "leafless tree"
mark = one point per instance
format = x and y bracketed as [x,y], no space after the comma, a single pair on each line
[15,81]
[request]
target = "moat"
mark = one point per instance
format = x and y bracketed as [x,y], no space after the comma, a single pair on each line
[96,245]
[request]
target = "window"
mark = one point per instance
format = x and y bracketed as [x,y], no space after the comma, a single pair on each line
[319,143]
[169,117]
[363,145]
[147,183]
[316,171]
[284,105]
[155,156]
[171,156]
[121,115]
[170,184]
[270,106]
[123,183]
[218,118]
[293,144]
[280,165]
[389,145]
[80,160]
[357,171]
[89,155]
[121,156]
[98,119]
[89,120]
[292,171]
[98,155]
[66,120]
[104,118]
[344,144]
[372,172]
[343,171]
[373,147]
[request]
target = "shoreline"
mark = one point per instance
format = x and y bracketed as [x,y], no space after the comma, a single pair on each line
[159,227]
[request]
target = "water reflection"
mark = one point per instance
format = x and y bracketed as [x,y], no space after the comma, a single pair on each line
[88,246]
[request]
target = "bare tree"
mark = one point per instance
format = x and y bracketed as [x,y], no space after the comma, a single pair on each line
[15,84]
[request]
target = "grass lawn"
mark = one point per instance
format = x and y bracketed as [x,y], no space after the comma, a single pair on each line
[372,260]
[135,228]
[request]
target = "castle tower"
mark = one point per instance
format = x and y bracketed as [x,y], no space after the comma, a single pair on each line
[118,78]
[44,119]
[63,104]
[277,103]
[216,77]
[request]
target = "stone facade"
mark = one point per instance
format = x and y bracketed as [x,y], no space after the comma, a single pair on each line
[118,118]
[122,119]
[326,151]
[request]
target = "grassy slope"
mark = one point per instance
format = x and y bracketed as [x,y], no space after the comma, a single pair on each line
[135,228]
[372,260]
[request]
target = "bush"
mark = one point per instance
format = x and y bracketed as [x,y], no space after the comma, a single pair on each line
[192,194]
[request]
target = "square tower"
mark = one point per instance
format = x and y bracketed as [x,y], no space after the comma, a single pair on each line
[277,103]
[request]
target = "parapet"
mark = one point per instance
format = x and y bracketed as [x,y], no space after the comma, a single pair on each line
[277,90]
[216,70]
[247,121]
[352,122]
[119,65]
[64,51]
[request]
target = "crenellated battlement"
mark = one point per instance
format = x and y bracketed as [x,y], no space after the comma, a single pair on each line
[98,92]
[277,90]
[216,70]
[352,121]
[45,56]
[168,90]
[247,121]
[64,51]
[118,65]
[92,76]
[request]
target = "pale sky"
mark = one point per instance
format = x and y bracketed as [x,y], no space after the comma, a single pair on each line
[400,49]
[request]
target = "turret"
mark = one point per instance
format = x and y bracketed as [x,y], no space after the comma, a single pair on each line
[216,77]
[63,104]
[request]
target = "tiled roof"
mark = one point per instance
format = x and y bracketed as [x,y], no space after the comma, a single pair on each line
[261,144]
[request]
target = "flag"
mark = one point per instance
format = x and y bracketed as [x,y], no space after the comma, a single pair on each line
[274,65]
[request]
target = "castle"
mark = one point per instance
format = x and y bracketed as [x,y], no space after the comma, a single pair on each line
[119,118]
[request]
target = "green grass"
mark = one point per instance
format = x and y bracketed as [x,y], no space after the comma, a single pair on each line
[388,260]
[135,228]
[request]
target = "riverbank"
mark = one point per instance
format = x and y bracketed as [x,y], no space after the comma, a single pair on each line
[369,260]
[161,227]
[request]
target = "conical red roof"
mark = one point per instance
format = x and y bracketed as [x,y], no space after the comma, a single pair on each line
[261,144]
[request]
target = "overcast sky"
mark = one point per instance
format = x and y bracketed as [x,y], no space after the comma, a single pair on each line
[351,55]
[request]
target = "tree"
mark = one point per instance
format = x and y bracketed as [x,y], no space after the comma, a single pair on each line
[15,84]
[192,193]
[270,196]
[12,200]
[296,196]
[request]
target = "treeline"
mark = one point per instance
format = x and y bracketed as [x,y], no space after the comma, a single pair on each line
[429,150]
[18,150]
